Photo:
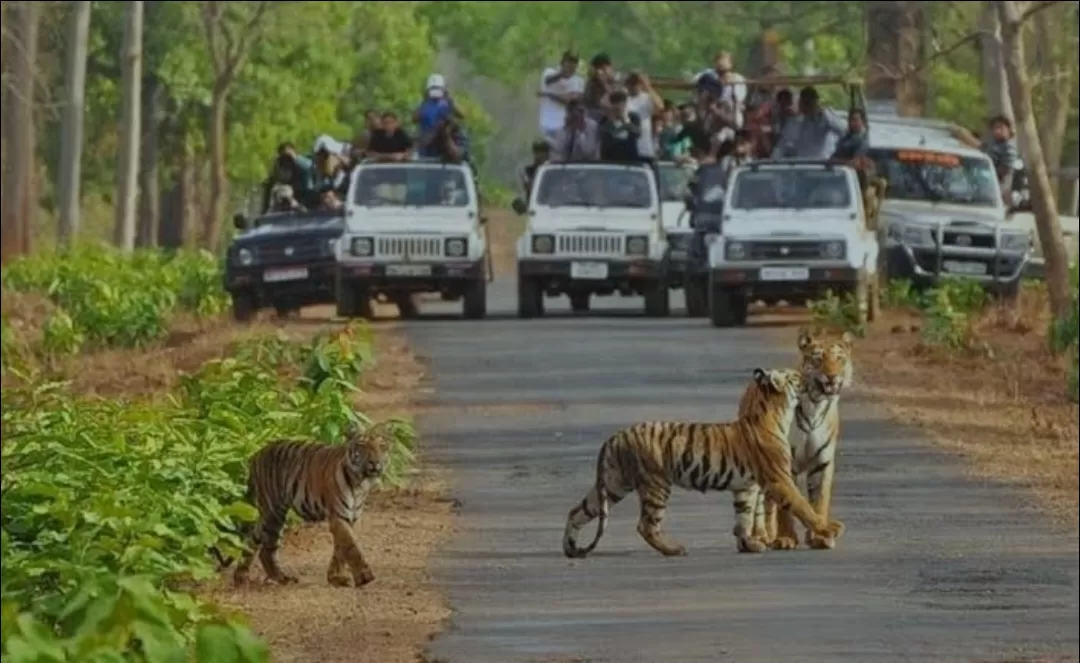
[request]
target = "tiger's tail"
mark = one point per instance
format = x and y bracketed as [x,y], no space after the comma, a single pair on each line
[604,504]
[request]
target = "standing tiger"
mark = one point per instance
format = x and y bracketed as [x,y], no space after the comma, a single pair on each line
[826,369]
[321,482]
[742,456]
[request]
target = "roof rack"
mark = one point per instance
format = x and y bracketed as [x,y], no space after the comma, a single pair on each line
[597,162]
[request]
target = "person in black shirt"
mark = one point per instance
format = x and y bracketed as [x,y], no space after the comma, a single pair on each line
[389,142]
[693,129]
[619,131]
[541,153]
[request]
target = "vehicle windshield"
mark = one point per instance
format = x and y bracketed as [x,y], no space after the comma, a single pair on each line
[939,177]
[791,188]
[289,219]
[594,187]
[410,186]
[674,182]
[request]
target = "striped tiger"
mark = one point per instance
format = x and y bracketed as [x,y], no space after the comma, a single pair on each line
[826,369]
[320,482]
[742,456]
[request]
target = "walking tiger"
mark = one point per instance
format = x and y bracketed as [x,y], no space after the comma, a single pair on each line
[742,456]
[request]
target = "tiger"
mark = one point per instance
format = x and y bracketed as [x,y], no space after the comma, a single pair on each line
[320,482]
[741,456]
[826,369]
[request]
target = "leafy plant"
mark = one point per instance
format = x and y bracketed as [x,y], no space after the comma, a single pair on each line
[838,312]
[1065,335]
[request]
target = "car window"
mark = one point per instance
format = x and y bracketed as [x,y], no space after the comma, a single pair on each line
[410,186]
[791,188]
[594,187]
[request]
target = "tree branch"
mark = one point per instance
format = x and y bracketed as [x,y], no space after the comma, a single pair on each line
[211,14]
[242,46]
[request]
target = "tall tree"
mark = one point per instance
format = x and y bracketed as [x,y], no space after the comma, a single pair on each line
[995,83]
[230,28]
[18,129]
[895,48]
[1013,15]
[71,146]
[127,189]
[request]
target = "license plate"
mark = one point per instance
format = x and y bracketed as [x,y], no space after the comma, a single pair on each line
[785,273]
[288,274]
[408,270]
[588,270]
[961,267]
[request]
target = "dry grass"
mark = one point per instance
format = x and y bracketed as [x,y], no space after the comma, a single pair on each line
[504,228]
[1004,407]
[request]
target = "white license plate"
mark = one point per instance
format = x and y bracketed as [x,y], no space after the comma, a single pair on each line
[785,273]
[961,267]
[588,270]
[408,270]
[287,274]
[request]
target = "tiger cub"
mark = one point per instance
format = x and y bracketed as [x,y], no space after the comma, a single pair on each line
[826,369]
[742,456]
[321,482]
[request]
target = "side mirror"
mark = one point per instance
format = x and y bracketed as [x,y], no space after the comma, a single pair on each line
[240,222]
[519,206]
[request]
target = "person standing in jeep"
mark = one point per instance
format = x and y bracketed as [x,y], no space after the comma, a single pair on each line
[558,87]
[620,131]
[599,86]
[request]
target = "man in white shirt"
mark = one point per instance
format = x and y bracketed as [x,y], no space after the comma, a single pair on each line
[724,84]
[558,87]
[642,99]
[579,137]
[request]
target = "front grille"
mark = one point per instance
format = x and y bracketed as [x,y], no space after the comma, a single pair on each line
[786,251]
[967,240]
[278,252]
[590,244]
[414,247]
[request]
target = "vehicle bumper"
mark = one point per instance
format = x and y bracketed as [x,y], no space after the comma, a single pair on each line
[411,277]
[617,274]
[317,287]
[926,267]
[749,282]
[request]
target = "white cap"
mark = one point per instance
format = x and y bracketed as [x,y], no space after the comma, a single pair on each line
[436,86]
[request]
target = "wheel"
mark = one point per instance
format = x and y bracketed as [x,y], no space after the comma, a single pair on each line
[726,308]
[658,301]
[406,305]
[244,306]
[530,298]
[697,298]
[353,301]
[579,302]
[474,305]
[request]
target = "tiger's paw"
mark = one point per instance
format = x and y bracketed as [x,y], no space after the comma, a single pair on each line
[784,543]
[677,550]
[364,576]
[338,581]
[834,530]
[751,545]
[822,543]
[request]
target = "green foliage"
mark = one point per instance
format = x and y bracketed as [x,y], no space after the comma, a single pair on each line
[837,312]
[109,508]
[1065,335]
[105,298]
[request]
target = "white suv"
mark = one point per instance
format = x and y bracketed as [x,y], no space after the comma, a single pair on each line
[593,228]
[412,227]
[791,231]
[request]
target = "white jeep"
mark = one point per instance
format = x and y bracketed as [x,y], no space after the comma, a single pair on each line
[791,231]
[412,227]
[592,228]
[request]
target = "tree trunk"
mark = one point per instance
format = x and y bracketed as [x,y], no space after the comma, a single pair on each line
[1054,62]
[995,84]
[149,172]
[216,206]
[1042,196]
[71,133]
[127,188]
[18,127]
[894,48]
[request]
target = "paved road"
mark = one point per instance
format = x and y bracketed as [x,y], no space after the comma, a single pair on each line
[934,567]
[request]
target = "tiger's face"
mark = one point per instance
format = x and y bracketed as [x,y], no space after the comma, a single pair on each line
[779,388]
[369,451]
[826,364]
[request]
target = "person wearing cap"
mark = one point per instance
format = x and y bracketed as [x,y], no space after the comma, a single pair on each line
[724,84]
[813,134]
[600,84]
[436,108]
[558,87]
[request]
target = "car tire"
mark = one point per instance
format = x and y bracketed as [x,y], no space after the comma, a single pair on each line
[726,308]
[474,303]
[579,302]
[353,301]
[658,301]
[697,298]
[530,298]
[407,308]
[244,306]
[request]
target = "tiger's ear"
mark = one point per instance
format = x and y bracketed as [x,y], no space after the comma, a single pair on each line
[761,377]
[847,339]
[805,339]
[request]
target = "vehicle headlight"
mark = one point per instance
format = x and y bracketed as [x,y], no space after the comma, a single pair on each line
[834,250]
[912,235]
[361,246]
[245,257]
[735,251]
[637,245]
[543,244]
[1016,242]
[456,247]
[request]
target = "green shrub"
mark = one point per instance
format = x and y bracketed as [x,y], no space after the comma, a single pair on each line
[1065,335]
[109,508]
[837,313]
